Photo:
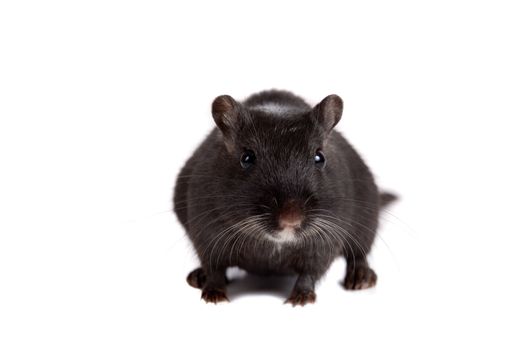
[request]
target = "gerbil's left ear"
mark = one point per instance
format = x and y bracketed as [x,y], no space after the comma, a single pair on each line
[328,112]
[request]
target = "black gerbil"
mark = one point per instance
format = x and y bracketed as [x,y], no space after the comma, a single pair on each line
[274,189]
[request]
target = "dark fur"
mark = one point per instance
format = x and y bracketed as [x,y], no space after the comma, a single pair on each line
[213,192]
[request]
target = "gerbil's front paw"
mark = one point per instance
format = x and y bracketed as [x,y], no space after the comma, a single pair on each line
[360,277]
[213,295]
[302,297]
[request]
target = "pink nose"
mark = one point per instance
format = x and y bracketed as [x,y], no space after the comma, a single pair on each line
[290,215]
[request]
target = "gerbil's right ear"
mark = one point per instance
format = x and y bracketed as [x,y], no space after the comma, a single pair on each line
[226,113]
[328,112]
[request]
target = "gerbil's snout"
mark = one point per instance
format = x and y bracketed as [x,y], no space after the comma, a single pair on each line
[290,215]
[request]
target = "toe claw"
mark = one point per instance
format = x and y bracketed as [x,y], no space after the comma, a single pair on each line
[360,277]
[214,296]
[301,298]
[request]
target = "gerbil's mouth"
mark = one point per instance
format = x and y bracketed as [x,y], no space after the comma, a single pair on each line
[285,235]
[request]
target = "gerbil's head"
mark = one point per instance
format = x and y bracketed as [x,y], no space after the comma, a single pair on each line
[279,163]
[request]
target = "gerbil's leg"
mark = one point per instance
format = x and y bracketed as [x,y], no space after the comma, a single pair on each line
[214,286]
[304,291]
[359,275]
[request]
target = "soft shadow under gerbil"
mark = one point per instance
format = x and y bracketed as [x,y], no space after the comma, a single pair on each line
[244,284]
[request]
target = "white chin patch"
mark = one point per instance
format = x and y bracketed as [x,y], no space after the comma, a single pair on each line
[286,235]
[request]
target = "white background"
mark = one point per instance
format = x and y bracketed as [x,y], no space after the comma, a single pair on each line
[101,102]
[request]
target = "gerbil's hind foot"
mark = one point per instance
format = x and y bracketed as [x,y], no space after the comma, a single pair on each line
[301,297]
[214,295]
[359,277]
[196,278]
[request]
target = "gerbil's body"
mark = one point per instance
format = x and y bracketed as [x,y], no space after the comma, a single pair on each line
[275,190]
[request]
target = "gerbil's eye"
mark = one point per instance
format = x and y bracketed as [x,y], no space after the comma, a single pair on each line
[320,161]
[247,159]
